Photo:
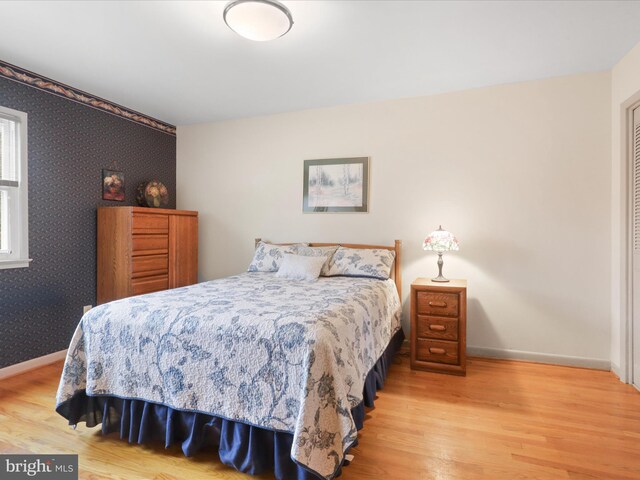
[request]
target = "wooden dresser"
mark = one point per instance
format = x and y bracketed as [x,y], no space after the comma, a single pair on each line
[144,250]
[439,326]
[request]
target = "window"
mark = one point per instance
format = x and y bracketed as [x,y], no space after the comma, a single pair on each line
[14,234]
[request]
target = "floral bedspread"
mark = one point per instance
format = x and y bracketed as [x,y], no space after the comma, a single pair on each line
[279,354]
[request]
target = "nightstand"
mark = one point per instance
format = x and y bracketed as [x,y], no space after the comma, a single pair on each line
[439,326]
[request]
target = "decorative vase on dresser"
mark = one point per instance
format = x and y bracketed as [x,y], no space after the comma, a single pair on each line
[439,326]
[144,250]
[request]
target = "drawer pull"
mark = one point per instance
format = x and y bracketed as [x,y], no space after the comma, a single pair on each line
[437,304]
[439,328]
[437,351]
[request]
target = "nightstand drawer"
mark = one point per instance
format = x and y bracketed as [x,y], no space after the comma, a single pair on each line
[441,304]
[437,327]
[437,351]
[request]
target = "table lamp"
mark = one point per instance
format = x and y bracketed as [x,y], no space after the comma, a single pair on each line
[440,241]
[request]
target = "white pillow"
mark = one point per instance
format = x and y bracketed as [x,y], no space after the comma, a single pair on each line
[300,267]
[319,252]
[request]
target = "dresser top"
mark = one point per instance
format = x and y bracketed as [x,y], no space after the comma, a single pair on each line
[151,211]
[427,282]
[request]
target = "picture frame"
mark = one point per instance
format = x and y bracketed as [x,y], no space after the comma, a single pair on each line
[112,185]
[336,185]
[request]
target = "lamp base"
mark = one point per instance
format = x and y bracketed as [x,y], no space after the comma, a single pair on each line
[440,278]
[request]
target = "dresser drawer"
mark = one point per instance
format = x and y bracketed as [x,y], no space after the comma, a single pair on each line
[438,351]
[150,223]
[150,284]
[148,265]
[437,327]
[150,244]
[440,304]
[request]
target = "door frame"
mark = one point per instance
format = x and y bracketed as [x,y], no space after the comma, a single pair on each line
[626,243]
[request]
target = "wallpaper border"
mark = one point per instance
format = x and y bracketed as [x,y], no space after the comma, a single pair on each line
[26,77]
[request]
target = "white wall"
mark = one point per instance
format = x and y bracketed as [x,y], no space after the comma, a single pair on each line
[520,173]
[625,84]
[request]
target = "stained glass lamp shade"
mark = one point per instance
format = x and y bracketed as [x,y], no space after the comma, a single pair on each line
[440,241]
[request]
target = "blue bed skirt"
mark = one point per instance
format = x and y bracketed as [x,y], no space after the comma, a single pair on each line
[246,448]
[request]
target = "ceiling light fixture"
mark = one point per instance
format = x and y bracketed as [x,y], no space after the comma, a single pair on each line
[259,20]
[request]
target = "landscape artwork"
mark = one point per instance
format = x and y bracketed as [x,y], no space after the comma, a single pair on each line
[336,185]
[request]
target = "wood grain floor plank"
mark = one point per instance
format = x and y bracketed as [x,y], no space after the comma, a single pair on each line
[505,420]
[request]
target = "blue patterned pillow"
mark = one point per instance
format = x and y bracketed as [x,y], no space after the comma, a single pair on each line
[365,262]
[268,257]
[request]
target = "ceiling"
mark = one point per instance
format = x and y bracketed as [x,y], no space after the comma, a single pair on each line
[178,61]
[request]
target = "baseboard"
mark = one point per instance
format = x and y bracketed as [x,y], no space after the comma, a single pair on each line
[32,364]
[616,371]
[539,357]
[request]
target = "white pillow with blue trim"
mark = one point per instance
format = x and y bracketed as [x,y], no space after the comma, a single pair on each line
[301,267]
[326,252]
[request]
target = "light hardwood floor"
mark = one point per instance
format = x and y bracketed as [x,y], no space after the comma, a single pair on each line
[504,420]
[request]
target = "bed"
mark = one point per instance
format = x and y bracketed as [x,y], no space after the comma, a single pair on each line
[274,374]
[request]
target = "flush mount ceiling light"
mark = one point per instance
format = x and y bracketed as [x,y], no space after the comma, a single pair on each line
[258,20]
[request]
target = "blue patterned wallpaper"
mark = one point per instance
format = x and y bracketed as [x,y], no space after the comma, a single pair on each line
[69,144]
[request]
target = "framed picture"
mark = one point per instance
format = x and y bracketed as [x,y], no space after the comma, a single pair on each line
[336,185]
[112,185]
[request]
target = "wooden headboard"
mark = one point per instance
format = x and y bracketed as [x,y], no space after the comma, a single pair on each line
[396,272]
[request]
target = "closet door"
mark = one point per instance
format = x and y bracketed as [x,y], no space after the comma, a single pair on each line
[183,250]
[636,248]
